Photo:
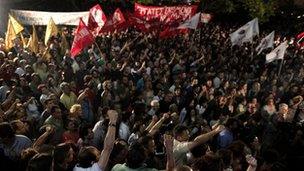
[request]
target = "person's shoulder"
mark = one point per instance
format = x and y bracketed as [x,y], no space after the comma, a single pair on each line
[119,167]
[22,138]
[94,167]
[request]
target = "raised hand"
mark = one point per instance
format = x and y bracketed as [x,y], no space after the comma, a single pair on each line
[113,115]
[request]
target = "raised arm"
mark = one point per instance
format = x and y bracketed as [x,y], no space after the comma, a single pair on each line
[152,123]
[109,140]
[41,140]
[156,127]
[168,142]
[205,137]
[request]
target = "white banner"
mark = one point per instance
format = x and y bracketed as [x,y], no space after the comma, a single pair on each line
[42,18]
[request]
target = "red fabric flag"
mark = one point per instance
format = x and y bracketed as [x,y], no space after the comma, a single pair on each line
[82,39]
[97,19]
[117,21]
[171,32]
[300,40]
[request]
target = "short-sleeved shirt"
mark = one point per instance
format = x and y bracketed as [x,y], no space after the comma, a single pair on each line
[94,167]
[68,101]
[124,167]
[180,150]
[14,151]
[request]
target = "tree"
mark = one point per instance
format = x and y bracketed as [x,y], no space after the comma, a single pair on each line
[263,9]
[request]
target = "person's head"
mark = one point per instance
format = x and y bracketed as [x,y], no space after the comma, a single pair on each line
[107,85]
[226,156]
[65,88]
[136,156]
[222,101]
[119,152]
[85,132]
[56,112]
[199,151]
[208,162]
[48,103]
[231,123]
[125,80]
[251,108]
[256,87]
[177,91]
[40,162]
[72,125]
[23,82]
[76,111]
[63,155]
[148,143]
[20,127]
[7,133]
[87,156]
[283,108]
[43,89]
[155,104]
[270,101]
[181,133]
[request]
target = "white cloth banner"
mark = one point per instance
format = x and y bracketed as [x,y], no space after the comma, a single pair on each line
[277,53]
[42,18]
[245,33]
[191,23]
[266,42]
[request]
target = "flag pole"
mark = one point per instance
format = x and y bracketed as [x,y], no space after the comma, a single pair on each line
[97,47]
[280,69]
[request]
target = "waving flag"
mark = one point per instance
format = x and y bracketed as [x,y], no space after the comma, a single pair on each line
[245,33]
[117,21]
[82,39]
[16,25]
[191,23]
[267,42]
[300,40]
[33,42]
[51,30]
[96,19]
[277,53]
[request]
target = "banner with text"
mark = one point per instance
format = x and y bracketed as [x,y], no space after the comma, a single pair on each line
[165,14]
[42,18]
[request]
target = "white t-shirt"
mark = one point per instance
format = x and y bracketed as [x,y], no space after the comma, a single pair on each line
[180,150]
[94,167]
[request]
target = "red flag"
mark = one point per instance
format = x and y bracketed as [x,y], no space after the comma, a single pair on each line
[117,21]
[92,24]
[82,38]
[138,23]
[97,18]
[300,40]
[171,32]
[118,17]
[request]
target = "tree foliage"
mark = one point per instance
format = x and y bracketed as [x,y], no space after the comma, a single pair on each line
[263,9]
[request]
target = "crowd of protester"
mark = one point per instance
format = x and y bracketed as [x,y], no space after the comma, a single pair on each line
[137,102]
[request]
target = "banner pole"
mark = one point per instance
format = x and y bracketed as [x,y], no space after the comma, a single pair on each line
[97,47]
[280,69]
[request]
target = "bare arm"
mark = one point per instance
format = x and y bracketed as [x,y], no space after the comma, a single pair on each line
[152,123]
[205,137]
[41,140]
[168,141]
[82,96]
[109,140]
[158,124]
